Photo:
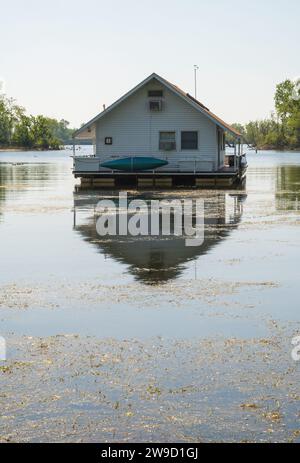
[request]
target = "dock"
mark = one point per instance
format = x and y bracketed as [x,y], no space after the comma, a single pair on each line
[225,177]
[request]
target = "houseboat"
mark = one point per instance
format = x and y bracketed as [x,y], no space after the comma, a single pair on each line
[156,134]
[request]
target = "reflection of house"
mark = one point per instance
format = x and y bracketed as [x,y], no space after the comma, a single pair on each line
[288,188]
[159,258]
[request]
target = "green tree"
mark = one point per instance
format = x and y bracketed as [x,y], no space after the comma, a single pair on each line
[284,102]
[42,130]
[61,130]
[19,129]
[282,129]
[287,103]
[9,116]
[23,134]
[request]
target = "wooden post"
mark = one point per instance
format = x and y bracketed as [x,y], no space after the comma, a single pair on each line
[94,146]
[73,154]
[235,155]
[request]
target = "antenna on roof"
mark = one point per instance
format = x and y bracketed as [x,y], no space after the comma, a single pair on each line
[196,67]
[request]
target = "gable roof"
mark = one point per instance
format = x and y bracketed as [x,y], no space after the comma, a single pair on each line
[186,96]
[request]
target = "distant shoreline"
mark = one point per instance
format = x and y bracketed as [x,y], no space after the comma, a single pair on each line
[18,149]
[289,150]
[22,150]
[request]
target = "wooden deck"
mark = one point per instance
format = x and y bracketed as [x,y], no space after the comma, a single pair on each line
[226,176]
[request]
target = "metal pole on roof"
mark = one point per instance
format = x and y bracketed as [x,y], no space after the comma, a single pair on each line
[196,67]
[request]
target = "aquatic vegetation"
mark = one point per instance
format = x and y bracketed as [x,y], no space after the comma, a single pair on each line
[164,346]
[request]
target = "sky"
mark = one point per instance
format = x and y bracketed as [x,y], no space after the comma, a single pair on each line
[65,59]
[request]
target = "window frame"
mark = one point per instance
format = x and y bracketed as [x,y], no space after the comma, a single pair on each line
[189,149]
[175,139]
[106,143]
[158,102]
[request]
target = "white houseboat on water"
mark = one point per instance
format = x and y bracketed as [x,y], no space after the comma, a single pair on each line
[158,134]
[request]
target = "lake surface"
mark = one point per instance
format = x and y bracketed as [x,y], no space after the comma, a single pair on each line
[122,287]
[145,339]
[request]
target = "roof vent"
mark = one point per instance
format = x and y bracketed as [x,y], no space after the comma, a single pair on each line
[155,93]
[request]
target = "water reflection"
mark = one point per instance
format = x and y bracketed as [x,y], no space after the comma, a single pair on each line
[288,188]
[20,175]
[157,259]
[26,184]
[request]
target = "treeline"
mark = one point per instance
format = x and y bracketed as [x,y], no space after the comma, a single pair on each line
[282,129]
[17,129]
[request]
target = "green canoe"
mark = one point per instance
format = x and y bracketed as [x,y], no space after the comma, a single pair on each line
[134,163]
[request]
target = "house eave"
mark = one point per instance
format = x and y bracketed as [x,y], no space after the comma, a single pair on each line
[113,105]
[191,101]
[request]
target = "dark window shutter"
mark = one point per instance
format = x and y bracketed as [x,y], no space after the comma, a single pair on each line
[189,140]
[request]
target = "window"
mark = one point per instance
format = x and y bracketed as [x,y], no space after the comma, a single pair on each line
[155,105]
[108,140]
[189,140]
[167,141]
[155,93]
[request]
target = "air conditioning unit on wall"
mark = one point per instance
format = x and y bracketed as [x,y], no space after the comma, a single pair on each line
[167,145]
[155,105]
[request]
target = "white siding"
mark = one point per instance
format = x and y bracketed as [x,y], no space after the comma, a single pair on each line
[135,131]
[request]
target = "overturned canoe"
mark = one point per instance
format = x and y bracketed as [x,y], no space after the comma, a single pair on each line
[134,163]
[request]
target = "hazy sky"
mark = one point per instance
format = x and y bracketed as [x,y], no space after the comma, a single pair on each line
[66,58]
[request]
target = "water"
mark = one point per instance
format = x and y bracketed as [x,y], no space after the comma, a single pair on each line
[146,340]
[59,276]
